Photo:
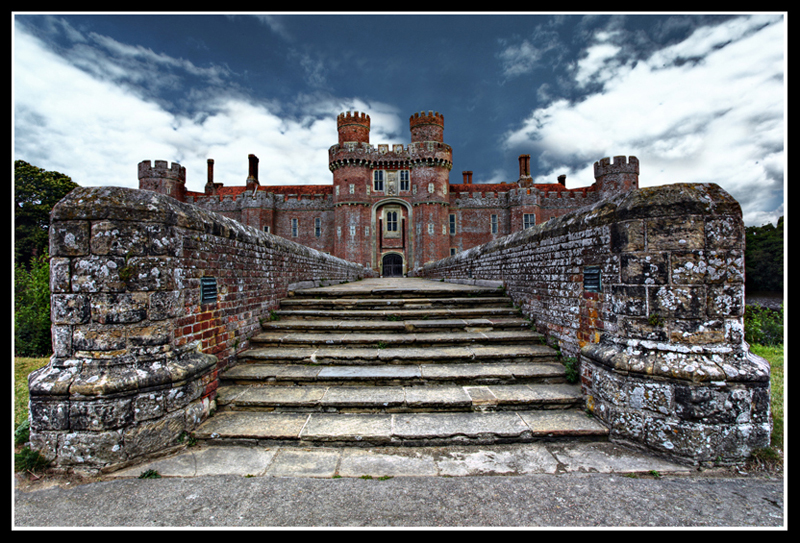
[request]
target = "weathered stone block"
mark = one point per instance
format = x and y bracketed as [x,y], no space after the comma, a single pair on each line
[118,238]
[97,274]
[644,268]
[70,309]
[119,308]
[91,449]
[682,302]
[100,414]
[69,238]
[155,435]
[677,233]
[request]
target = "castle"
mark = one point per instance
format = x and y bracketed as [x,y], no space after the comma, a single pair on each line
[392,208]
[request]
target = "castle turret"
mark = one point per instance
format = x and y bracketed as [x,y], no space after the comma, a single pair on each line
[163,178]
[353,127]
[621,175]
[428,127]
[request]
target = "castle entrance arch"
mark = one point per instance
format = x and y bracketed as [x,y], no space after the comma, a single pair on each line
[392,236]
[392,265]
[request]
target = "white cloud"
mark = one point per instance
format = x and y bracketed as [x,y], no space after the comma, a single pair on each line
[717,118]
[88,127]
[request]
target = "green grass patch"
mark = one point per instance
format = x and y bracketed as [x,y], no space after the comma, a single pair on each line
[774,355]
[22,368]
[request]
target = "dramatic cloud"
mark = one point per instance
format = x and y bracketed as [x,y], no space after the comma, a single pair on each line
[689,112]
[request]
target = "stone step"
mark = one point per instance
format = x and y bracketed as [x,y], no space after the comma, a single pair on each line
[397,399]
[354,290]
[396,326]
[392,429]
[396,374]
[400,355]
[392,303]
[400,314]
[385,339]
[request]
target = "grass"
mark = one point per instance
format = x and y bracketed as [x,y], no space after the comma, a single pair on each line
[774,354]
[22,368]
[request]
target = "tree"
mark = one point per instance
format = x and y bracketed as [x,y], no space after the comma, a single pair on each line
[36,191]
[764,257]
[32,308]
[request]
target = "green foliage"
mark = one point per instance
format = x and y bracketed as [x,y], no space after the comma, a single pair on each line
[32,308]
[762,325]
[764,257]
[36,191]
[28,460]
[571,365]
[150,474]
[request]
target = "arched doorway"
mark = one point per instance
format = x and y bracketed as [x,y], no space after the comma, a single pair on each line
[392,265]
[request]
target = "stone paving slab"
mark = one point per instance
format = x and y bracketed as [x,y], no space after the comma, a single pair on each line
[457,461]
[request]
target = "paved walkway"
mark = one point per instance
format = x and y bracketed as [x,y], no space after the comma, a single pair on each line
[520,486]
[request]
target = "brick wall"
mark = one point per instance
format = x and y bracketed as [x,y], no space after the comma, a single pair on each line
[661,343]
[136,349]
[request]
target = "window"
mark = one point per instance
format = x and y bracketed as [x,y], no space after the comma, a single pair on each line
[318,227]
[352,231]
[294,228]
[452,251]
[430,228]
[266,229]
[352,188]
[391,221]
[528,220]
[494,224]
[404,180]
[377,177]
[452,224]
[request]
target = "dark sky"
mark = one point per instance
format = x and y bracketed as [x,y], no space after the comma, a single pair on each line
[697,98]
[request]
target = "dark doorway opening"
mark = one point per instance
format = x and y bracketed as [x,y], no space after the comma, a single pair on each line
[393,265]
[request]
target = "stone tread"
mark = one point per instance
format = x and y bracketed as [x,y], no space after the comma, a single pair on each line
[394,302]
[384,325]
[478,397]
[400,428]
[399,355]
[392,338]
[468,312]
[413,373]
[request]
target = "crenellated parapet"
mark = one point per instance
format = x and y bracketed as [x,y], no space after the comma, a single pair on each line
[390,156]
[620,164]
[353,127]
[427,127]
[163,178]
[616,177]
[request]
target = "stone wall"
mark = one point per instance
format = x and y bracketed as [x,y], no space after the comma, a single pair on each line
[646,290]
[137,346]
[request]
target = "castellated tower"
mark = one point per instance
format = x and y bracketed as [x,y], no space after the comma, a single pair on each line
[351,165]
[428,127]
[431,164]
[353,127]
[621,175]
[169,180]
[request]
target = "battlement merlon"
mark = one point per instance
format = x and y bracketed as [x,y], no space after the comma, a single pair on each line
[346,118]
[162,170]
[431,118]
[621,164]
[385,156]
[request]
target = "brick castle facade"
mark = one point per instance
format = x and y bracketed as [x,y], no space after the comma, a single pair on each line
[392,208]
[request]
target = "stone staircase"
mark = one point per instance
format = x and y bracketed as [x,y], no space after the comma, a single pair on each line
[386,362]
